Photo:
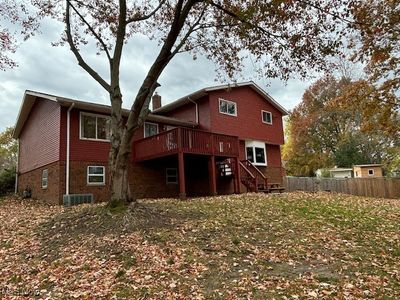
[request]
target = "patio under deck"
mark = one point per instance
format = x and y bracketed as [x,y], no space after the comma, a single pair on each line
[181,141]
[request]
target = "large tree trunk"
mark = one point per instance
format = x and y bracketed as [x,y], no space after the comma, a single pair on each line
[119,154]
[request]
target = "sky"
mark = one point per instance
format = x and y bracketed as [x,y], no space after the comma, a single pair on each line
[54,70]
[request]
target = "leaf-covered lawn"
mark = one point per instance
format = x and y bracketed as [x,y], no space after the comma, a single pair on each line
[254,246]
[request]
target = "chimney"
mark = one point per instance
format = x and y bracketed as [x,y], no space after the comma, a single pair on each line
[156,101]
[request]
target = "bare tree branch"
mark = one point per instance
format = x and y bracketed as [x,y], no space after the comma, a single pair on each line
[78,56]
[92,31]
[145,17]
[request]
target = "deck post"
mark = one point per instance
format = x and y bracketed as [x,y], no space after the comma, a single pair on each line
[181,164]
[237,176]
[212,175]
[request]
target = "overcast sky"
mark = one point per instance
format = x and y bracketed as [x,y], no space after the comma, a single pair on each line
[54,70]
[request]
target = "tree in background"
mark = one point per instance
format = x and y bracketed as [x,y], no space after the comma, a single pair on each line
[330,127]
[8,160]
[8,149]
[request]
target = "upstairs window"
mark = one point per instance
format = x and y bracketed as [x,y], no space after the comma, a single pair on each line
[227,107]
[96,175]
[45,178]
[150,129]
[95,127]
[266,117]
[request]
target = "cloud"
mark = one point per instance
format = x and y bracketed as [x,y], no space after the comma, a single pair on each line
[54,70]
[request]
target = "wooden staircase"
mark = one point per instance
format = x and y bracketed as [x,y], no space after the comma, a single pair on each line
[254,180]
[250,176]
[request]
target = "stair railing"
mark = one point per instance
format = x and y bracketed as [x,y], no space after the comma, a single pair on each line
[261,179]
[247,178]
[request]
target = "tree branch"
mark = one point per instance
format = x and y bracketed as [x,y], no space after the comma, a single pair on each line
[145,17]
[91,30]
[78,56]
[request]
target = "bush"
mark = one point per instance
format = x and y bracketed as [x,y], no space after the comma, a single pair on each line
[7,181]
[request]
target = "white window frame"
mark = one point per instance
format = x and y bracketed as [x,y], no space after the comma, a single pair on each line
[96,175]
[254,145]
[262,117]
[167,177]
[227,102]
[44,186]
[144,128]
[81,124]
[373,172]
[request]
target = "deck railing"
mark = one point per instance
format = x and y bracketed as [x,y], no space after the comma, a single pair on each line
[188,141]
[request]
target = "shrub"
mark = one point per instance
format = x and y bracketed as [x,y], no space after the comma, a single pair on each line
[7,181]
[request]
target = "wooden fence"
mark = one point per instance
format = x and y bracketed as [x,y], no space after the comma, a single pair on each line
[370,187]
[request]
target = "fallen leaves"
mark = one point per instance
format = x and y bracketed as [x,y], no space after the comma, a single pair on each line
[290,246]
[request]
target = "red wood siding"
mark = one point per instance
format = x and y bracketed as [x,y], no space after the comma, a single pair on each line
[188,113]
[87,150]
[273,155]
[40,136]
[248,123]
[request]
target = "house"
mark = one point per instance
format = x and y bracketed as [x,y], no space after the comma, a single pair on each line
[341,172]
[218,140]
[368,171]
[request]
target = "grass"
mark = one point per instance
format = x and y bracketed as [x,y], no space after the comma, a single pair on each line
[254,246]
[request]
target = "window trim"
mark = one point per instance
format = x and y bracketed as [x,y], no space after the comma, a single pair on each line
[257,144]
[95,175]
[226,113]
[47,179]
[262,116]
[167,177]
[82,113]
[144,129]
[373,172]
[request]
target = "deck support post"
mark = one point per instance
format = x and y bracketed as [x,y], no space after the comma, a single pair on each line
[212,175]
[181,175]
[237,176]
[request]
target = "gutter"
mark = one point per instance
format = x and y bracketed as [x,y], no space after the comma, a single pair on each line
[16,171]
[197,109]
[68,148]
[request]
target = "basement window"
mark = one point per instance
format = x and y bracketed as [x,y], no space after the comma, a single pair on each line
[227,107]
[150,129]
[172,175]
[96,175]
[266,117]
[45,178]
[94,127]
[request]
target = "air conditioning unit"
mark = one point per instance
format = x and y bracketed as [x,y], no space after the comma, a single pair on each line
[75,199]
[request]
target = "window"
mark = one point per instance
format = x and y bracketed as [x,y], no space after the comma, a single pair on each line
[356,173]
[172,175]
[256,153]
[266,117]
[371,172]
[150,129]
[45,178]
[96,175]
[227,107]
[95,127]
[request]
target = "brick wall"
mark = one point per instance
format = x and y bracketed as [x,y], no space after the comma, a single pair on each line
[33,180]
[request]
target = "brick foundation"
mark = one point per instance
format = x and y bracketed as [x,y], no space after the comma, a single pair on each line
[33,180]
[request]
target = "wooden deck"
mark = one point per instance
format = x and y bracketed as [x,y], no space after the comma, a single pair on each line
[185,140]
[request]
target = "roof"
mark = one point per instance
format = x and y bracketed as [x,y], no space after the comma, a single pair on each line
[340,169]
[368,165]
[203,92]
[30,97]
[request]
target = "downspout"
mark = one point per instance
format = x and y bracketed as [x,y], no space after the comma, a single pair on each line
[68,149]
[197,109]
[16,171]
